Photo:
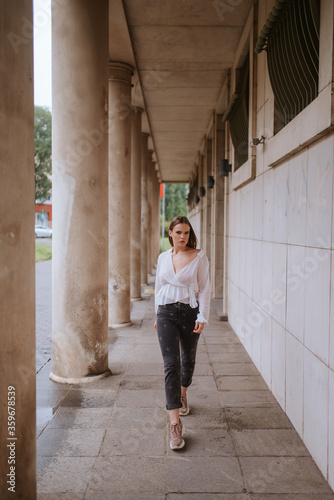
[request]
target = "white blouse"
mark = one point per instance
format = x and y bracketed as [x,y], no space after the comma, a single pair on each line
[190,285]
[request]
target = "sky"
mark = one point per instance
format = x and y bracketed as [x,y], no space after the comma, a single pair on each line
[42,53]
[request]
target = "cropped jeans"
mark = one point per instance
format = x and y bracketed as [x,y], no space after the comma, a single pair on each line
[178,344]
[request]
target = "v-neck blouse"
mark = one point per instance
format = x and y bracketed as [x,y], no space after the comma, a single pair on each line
[191,285]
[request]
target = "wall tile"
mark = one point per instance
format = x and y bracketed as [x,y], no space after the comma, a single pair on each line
[316,408]
[256,322]
[231,212]
[278,363]
[266,349]
[294,382]
[267,277]
[238,214]
[258,208]
[257,272]
[281,176]
[331,430]
[247,331]
[331,325]
[317,287]
[248,211]
[319,193]
[241,242]
[278,296]
[268,205]
[297,196]
[295,307]
[249,268]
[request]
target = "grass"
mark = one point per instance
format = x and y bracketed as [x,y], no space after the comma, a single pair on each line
[42,252]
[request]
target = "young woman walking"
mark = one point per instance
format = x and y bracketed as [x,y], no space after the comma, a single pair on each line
[182,304]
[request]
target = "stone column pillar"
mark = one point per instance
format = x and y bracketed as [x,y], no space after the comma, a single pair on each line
[80,192]
[208,197]
[144,207]
[119,193]
[218,250]
[149,204]
[17,256]
[135,237]
[157,219]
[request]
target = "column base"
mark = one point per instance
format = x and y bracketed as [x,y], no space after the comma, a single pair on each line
[120,325]
[80,380]
[135,299]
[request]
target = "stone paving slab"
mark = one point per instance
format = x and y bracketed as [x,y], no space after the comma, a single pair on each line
[109,440]
[55,442]
[80,418]
[241,383]
[282,475]
[257,418]
[204,474]
[129,475]
[63,474]
[262,442]
[208,496]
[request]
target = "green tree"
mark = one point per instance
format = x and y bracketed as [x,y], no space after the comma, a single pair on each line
[176,200]
[43,164]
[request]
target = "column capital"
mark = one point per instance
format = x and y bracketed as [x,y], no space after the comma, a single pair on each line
[120,72]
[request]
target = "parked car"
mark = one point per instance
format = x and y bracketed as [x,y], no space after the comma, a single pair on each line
[43,232]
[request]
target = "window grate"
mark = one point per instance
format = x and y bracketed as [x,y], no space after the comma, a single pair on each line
[293,58]
[237,114]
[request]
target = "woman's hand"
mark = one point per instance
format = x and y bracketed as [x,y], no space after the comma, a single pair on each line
[155,324]
[198,327]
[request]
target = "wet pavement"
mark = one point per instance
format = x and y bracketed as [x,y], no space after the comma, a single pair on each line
[109,439]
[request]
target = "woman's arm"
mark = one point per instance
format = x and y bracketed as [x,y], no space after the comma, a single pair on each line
[157,282]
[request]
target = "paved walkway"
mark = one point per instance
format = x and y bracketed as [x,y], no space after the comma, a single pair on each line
[43,310]
[109,440]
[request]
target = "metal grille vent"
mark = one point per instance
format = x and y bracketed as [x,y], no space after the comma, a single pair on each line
[293,58]
[237,114]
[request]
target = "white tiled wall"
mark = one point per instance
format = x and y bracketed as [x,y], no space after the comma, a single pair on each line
[282,282]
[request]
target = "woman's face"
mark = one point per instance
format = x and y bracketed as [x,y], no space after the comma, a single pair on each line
[180,235]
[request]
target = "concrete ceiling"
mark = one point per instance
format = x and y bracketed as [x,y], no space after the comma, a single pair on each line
[181,51]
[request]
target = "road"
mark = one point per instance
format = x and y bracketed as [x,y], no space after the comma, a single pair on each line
[43,309]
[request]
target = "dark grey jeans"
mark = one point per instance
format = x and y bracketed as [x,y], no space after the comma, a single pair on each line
[175,325]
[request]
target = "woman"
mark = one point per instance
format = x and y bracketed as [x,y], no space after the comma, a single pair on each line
[182,304]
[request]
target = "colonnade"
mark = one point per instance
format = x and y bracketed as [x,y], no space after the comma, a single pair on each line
[104,202]
[105,224]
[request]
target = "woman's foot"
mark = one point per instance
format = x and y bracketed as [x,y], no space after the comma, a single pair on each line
[176,440]
[185,408]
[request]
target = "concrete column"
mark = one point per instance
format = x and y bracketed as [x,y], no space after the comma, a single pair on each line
[149,205]
[144,207]
[201,203]
[135,237]
[157,219]
[80,192]
[119,193]
[217,248]
[17,256]
[208,197]
[154,218]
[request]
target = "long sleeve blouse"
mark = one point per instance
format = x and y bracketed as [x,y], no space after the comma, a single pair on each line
[191,285]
